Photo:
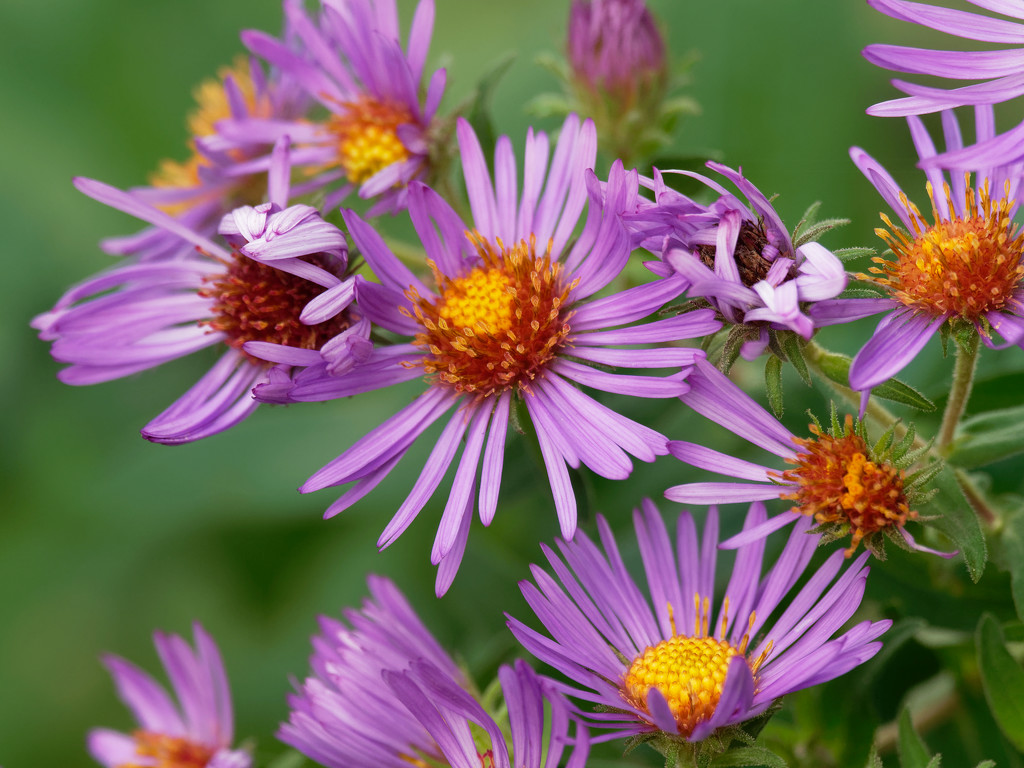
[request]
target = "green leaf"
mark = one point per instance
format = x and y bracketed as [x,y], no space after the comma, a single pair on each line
[749,756]
[958,522]
[989,437]
[856,252]
[912,750]
[478,112]
[290,759]
[836,367]
[1013,548]
[1003,680]
[874,761]
[773,383]
[794,351]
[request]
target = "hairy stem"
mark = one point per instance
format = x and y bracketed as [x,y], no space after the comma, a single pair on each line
[963,379]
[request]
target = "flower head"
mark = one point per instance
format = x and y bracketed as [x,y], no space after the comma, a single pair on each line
[384,694]
[662,659]
[965,265]
[194,732]
[250,288]
[738,256]
[507,318]
[846,485]
[1000,70]
[353,63]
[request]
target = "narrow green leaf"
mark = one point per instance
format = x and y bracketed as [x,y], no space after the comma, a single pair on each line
[957,521]
[809,216]
[912,750]
[935,762]
[1013,548]
[773,384]
[479,111]
[837,368]
[989,437]
[847,254]
[986,764]
[874,761]
[749,756]
[791,346]
[1003,680]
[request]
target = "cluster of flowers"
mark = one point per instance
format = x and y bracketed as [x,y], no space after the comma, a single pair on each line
[515,307]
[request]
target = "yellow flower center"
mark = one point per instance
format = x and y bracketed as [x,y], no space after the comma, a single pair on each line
[836,483]
[688,670]
[367,137]
[496,327]
[960,267]
[161,751]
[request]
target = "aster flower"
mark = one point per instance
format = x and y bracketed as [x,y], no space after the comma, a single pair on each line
[508,320]
[194,732]
[376,135]
[217,177]
[1001,71]
[144,313]
[384,694]
[738,256]
[660,659]
[964,268]
[847,486]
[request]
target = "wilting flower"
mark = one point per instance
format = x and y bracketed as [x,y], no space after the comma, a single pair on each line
[376,135]
[1001,71]
[836,477]
[195,731]
[507,320]
[144,313]
[384,694]
[965,267]
[216,177]
[739,256]
[660,659]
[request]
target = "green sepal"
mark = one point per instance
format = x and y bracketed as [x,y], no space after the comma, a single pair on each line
[988,437]
[749,756]
[912,750]
[944,335]
[731,349]
[806,220]
[791,345]
[965,335]
[856,252]
[816,230]
[773,384]
[836,368]
[957,520]
[923,476]
[1002,680]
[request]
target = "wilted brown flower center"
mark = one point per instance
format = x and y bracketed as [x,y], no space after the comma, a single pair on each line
[497,326]
[367,136]
[962,267]
[750,244]
[168,752]
[254,302]
[838,483]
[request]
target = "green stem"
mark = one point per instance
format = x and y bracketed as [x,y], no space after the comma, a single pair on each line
[963,379]
[976,498]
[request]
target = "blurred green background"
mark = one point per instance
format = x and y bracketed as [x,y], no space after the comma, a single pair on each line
[104,537]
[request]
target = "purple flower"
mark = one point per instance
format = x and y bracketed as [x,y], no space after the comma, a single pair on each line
[965,267]
[508,320]
[194,732]
[144,313]
[738,256]
[376,135]
[614,48]
[835,477]
[1001,70]
[660,659]
[384,694]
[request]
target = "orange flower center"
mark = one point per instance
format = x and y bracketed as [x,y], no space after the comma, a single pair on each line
[837,483]
[161,751]
[959,267]
[497,326]
[689,671]
[367,136]
[254,302]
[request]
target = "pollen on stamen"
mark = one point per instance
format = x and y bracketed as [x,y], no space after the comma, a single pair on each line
[836,482]
[366,131]
[498,325]
[963,267]
[689,671]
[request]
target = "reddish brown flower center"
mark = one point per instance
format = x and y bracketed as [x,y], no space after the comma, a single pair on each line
[497,326]
[367,136]
[162,751]
[962,267]
[254,302]
[836,482]
[750,244]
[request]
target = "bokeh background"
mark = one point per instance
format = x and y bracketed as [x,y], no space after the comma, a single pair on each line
[104,537]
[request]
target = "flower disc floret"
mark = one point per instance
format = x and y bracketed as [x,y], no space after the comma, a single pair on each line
[367,133]
[837,482]
[496,327]
[962,267]
[158,750]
